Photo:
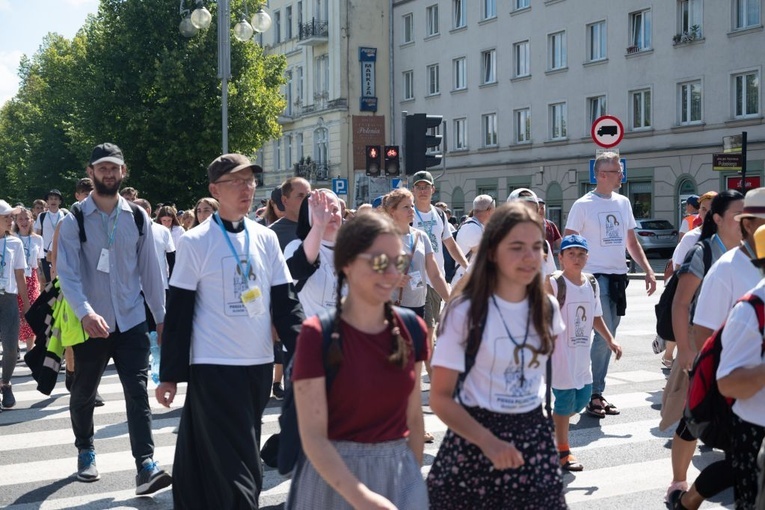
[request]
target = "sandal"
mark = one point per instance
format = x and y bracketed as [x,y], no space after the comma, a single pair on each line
[666,363]
[429,437]
[568,462]
[609,409]
[595,409]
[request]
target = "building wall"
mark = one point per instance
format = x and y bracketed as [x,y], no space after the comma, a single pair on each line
[663,155]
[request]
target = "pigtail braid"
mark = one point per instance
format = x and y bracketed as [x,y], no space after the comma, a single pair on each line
[335,352]
[400,354]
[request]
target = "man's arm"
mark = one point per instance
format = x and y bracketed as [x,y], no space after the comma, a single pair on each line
[455,252]
[68,256]
[638,255]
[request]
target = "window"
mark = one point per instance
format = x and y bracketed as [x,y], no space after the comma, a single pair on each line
[489,9]
[640,30]
[288,94]
[489,66]
[433,86]
[556,44]
[278,154]
[277,27]
[299,15]
[690,102]
[689,18]
[460,134]
[408,85]
[641,109]
[746,13]
[320,146]
[288,152]
[299,85]
[460,13]
[596,107]
[431,14]
[489,129]
[288,23]
[299,144]
[459,67]
[522,63]
[321,77]
[747,99]
[408,21]
[520,4]
[596,41]
[558,121]
[522,125]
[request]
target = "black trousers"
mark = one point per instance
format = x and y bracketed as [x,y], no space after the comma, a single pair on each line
[130,352]
[217,455]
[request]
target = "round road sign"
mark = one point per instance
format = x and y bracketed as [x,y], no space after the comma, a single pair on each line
[607,131]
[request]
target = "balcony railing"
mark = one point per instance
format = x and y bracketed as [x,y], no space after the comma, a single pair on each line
[314,32]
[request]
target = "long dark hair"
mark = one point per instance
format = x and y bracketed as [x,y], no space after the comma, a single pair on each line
[719,205]
[354,237]
[483,276]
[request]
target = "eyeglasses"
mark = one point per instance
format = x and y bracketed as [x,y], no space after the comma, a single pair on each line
[239,183]
[381,262]
[621,172]
[422,187]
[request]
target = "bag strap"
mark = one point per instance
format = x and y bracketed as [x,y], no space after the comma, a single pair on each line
[706,251]
[42,221]
[327,321]
[561,284]
[469,362]
[409,321]
[759,312]
[76,210]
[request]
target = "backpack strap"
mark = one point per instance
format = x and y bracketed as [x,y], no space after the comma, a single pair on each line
[327,320]
[76,210]
[469,362]
[42,221]
[706,251]
[759,312]
[593,282]
[561,284]
[409,320]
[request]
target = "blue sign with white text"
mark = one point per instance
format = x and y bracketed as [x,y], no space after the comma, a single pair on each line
[340,186]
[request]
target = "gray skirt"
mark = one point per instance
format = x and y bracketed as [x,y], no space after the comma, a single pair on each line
[388,468]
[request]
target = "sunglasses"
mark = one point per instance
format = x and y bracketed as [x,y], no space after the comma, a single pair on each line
[381,262]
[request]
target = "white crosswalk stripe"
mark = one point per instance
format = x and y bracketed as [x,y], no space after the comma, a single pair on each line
[626,457]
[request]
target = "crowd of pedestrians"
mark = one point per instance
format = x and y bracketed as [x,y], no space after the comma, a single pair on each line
[341,310]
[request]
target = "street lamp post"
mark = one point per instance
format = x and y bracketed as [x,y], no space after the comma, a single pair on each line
[201,18]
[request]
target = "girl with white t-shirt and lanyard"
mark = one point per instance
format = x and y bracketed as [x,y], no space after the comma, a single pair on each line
[33,251]
[499,451]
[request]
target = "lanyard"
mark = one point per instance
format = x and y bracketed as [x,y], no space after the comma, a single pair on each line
[2,260]
[245,270]
[50,217]
[28,245]
[518,347]
[105,218]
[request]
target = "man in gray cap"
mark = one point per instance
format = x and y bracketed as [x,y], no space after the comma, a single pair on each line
[229,287]
[45,226]
[103,280]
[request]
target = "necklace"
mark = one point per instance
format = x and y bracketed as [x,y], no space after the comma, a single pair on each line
[518,347]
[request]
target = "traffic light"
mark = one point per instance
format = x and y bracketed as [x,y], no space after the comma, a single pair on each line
[374,160]
[392,164]
[418,142]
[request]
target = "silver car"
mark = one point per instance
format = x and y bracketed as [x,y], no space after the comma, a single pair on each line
[656,235]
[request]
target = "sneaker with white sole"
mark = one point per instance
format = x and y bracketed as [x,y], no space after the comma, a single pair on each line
[151,478]
[86,466]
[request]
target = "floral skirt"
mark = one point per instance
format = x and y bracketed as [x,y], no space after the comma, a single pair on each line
[462,477]
[33,291]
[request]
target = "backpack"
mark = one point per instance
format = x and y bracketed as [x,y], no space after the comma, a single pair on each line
[42,219]
[76,210]
[663,308]
[707,412]
[561,295]
[290,449]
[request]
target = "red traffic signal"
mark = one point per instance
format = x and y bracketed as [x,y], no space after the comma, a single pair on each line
[373,160]
[392,163]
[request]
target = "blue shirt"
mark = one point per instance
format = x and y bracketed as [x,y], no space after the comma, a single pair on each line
[133,266]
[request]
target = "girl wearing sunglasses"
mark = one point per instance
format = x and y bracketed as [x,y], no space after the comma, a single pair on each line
[499,450]
[363,441]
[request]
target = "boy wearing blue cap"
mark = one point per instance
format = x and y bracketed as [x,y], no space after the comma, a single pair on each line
[579,300]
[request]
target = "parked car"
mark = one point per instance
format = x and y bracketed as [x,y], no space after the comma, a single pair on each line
[656,235]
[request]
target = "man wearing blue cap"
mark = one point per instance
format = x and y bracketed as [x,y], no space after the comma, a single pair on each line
[691,213]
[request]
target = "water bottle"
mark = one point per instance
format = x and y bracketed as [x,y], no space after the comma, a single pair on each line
[154,357]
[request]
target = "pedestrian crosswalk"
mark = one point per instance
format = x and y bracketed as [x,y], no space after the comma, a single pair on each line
[626,457]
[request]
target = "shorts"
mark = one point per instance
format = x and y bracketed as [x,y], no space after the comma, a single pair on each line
[432,307]
[568,402]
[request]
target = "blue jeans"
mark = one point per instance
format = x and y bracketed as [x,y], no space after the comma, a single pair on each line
[600,354]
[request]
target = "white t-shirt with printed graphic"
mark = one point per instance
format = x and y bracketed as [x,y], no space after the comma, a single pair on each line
[571,365]
[48,226]
[495,381]
[604,222]
[320,290]
[11,259]
[223,332]
[430,222]
[33,250]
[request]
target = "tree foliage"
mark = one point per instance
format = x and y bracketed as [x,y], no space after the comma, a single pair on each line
[130,78]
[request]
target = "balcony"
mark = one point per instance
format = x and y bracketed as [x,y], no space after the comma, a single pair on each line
[312,171]
[313,33]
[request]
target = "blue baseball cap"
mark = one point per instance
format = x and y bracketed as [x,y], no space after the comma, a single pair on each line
[574,241]
[693,200]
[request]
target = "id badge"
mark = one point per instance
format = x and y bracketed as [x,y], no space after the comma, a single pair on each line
[103,261]
[252,299]
[415,280]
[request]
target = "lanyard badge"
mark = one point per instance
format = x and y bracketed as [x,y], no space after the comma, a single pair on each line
[251,297]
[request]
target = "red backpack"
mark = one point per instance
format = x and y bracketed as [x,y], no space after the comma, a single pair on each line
[707,412]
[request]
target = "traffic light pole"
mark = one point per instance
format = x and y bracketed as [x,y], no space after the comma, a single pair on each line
[403,144]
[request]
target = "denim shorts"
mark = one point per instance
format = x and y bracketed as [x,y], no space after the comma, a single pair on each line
[568,402]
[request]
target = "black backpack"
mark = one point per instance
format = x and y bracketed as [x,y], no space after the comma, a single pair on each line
[76,210]
[289,446]
[663,308]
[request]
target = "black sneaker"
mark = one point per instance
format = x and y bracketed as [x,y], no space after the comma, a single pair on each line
[86,466]
[278,391]
[150,478]
[8,399]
